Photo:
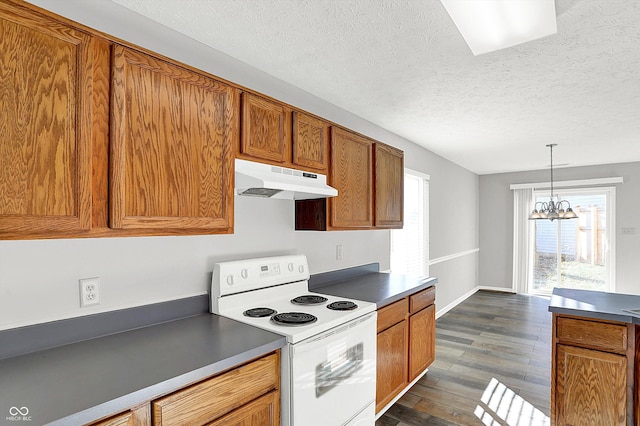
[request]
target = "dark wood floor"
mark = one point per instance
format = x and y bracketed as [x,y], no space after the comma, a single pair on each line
[492,367]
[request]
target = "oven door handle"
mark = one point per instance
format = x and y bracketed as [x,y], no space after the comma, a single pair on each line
[362,324]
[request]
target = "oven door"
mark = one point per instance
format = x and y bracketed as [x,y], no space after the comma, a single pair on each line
[333,375]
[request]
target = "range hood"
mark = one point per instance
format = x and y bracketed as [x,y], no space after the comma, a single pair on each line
[267,181]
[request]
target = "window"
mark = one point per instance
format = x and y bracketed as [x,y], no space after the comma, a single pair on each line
[577,253]
[410,245]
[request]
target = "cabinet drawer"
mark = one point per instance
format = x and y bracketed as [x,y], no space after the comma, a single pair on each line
[422,299]
[392,314]
[592,334]
[215,397]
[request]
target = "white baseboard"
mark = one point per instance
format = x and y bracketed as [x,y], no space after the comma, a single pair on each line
[440,312]
[500,289]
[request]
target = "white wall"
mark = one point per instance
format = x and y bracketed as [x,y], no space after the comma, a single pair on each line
[496,221]
[39,279]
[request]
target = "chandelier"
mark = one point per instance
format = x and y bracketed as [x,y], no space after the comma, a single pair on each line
[552,210]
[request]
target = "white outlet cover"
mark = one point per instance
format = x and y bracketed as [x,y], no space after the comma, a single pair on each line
[89,292]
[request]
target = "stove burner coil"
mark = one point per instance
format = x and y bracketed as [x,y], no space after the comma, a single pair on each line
[342,305]
[293,318]
[259,312]
[309,299]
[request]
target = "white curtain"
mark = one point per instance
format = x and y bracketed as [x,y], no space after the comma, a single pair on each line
[522,207]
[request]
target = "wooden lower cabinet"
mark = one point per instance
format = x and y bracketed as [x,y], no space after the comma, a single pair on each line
[207,401]
[140,416]
[264,411]
[592,378]
[405,344]
[391,363]
[590,387]
[422,338]
[248,395]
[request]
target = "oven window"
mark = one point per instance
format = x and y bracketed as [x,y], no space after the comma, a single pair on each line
[331,373]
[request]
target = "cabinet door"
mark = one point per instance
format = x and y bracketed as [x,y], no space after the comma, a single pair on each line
[391,363]
[389,186]
[351,174]
[172,132]
[266,129]
[422,340]
[590,387]
[310,142]
[46,118]
[264,411]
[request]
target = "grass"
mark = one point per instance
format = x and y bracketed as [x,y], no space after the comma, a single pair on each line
[574,274]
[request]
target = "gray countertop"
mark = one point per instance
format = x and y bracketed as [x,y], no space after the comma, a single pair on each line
[595,304]
[81,382]
[377,287]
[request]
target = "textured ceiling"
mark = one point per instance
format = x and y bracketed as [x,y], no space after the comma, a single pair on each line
[403,65]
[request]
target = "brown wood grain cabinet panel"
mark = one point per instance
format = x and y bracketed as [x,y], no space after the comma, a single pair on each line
[593,334]
[422,340]
[391,359]
[266,129]
[403,356]
[46,93]
[389,186]
[264,411]
[140,416]
[594,374]
[213,398]
[422,299]
[590,387]
[172,134]
[351,174]
[310,142]
[369,177]
[392,314]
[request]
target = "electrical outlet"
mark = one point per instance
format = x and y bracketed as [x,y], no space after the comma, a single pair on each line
[339,252]
[89,292]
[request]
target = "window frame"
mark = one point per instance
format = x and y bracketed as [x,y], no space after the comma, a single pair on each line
[424,178]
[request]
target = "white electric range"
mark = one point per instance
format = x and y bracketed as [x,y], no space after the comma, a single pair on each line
[328,365]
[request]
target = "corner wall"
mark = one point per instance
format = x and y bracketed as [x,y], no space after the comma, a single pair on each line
[496,221]
[39,279]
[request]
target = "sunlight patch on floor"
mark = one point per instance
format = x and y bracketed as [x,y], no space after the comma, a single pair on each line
[501,403]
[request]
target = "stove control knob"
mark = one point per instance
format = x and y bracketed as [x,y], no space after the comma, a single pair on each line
[244,273]
[301,268]
[290,266]
[230,279]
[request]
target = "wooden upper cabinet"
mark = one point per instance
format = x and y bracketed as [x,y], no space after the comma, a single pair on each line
[310,142]
[266,129]
[172,138]
[389,186]
[46,120]
[351,175]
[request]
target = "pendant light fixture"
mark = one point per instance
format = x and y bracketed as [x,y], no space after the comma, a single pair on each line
[552,210]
